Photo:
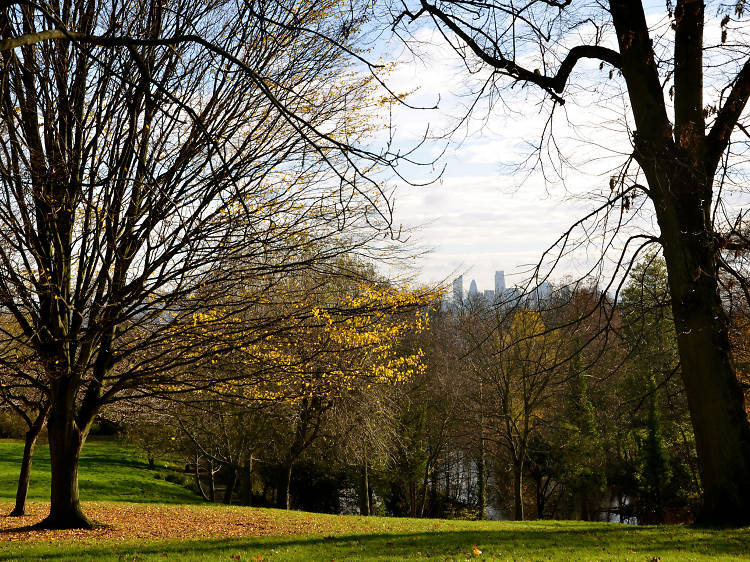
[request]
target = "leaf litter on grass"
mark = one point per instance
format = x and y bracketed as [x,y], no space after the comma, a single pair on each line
[136,526]
[134,521]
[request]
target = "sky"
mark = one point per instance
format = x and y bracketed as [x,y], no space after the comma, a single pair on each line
[485,211]
[482,213]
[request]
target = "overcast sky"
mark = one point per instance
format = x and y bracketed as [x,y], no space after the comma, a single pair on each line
[484,214]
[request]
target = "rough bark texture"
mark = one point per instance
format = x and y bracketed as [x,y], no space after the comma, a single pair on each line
[65,443]
[715,397]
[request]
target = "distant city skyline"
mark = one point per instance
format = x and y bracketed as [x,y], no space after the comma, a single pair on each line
[543,291]
[474,286]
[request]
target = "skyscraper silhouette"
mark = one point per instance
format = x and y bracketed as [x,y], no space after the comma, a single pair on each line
[458,289]
[499,283]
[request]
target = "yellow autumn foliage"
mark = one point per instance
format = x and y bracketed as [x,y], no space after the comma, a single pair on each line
[350,336]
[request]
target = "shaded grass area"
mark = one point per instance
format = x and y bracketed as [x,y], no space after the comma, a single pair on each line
[113,473]
[108,471]
[358,538]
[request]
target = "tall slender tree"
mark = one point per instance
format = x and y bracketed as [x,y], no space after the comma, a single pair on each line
[20,393]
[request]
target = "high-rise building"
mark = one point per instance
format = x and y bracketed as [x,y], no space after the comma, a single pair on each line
[458,289]
[545,290]
[502,296]
[499,283]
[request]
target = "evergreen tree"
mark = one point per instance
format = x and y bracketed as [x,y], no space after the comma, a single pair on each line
[656,473]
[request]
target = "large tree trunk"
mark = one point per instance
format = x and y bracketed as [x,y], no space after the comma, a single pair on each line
[679,161]
[715,397]
[23,479]
[65,443]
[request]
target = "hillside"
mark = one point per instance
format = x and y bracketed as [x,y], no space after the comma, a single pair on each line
[143,517]
[109,471]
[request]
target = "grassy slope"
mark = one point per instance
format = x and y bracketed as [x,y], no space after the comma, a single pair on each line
[108,472]
[111,473]
[409,539]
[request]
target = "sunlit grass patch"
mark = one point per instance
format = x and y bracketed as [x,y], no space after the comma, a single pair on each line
[214,532]
[108,471]
[146,518]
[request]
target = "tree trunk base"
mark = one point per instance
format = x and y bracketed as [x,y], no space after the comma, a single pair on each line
[17,512]
[73,519]
[727,516]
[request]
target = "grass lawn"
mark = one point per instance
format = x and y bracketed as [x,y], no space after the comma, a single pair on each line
[262,534]
[108,471]
[146,518]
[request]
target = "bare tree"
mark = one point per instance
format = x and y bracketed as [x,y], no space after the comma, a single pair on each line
[517,369]
[154,151]
[686,97]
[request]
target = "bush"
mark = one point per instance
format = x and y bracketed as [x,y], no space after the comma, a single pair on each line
[11,425]
[462,513]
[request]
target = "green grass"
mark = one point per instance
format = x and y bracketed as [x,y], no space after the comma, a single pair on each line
[409,539]
[108,472]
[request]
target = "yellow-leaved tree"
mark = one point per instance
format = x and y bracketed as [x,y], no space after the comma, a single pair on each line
[329,342]
[516,362]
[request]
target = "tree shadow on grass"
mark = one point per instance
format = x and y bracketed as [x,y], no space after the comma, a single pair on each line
[37,527]
[602,542]
[14,530]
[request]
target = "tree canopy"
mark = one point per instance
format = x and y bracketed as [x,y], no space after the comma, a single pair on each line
[153,153]
[685,75]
